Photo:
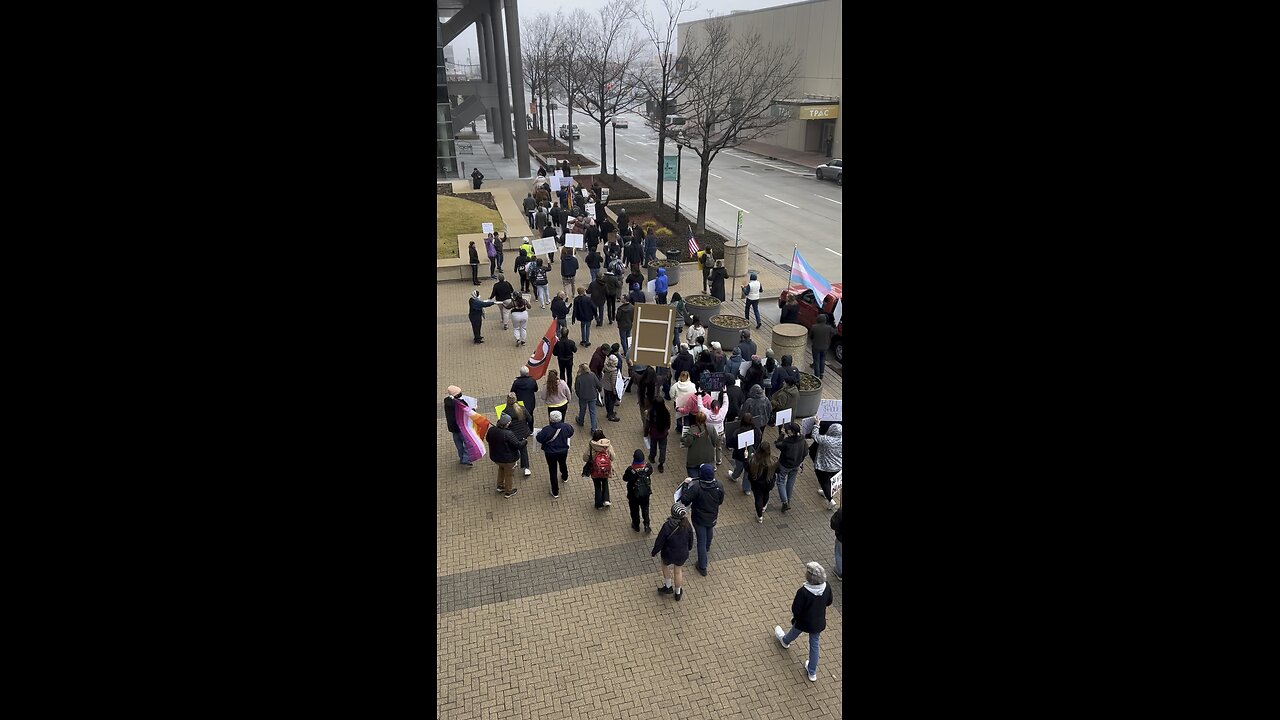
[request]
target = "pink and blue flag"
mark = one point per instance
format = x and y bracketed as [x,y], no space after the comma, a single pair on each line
[803,274]
[473,427]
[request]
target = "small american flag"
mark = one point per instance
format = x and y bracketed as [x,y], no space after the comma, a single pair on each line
[693,244]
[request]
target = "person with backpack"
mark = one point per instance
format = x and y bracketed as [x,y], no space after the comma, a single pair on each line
[758,405]
[522,267]
[791,452]
[674,541]
[564,350]
[638,479]
[587,388]
[504,450]
[540,282]
[704,496]
[554,441]
[808,614]
[599,460]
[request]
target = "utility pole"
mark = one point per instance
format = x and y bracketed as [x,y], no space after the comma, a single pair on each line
[679,157]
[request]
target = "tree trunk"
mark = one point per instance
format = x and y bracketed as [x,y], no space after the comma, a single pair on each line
[604,156]
[703,177]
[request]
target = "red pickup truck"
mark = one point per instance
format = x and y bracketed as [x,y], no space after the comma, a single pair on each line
[809,310]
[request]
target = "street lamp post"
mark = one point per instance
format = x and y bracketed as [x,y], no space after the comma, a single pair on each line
[551,131]
[615,148]
[679,157]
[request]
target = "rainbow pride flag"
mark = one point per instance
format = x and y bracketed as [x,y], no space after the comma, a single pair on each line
[473,426]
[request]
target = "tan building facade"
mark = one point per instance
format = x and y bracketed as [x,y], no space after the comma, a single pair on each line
[813,28]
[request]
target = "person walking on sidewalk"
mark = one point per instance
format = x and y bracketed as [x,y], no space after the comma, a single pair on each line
[718,275]
[492,253]
[829,460]
[450,418]
[564,350]
[599,461]
[837,521]
[742,455]
[554,439]
[584,311]
[660,286]
[717,411]
[520,318]
[587,388]
[568,270]
[761,470]
[501,293]
[625,316]
[612,286]
[525,389]
[504,450]
[594,261]
[753,288]
[704,496]
[820,339]
[530,206]
[540,283]
[659,426]
[791,452]
[785,399]
[560,312]
[674,541]
[609,388]
[474,259]
[521,426]
[638,479]
[476,313]
[555,394]
[808,615]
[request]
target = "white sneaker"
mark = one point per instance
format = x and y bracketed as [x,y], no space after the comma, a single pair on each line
[527,472]
[760,519]
[813,676]
[607,503]
[777,632]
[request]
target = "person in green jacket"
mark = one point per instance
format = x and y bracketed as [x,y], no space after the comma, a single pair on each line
[700,440]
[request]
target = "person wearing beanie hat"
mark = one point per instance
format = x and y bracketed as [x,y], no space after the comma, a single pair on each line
[769,363]
[451,400]
[554,441]
[504,450]
[638,478]
[808,615]
[704,497]
[674,541]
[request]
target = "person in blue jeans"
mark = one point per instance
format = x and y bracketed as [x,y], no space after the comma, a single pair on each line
[451,420]
[587,387]
[820,336]
[808,615]
[703,496]
[584,311]
[791,453]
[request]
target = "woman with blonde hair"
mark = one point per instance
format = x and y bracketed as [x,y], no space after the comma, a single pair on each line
[556,394]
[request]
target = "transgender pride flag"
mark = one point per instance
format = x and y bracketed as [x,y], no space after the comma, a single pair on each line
[473,426]
[802,274]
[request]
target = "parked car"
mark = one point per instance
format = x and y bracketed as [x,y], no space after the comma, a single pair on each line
[833,170]
[809,310]
[619,122]
[564,132]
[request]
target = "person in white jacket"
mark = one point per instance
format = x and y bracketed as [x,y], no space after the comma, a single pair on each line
[829,460]
[681,390]
[717,405]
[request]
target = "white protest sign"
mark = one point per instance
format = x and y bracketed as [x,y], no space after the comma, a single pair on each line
[574,240]
[544,246]
[784,417]
[837,312]
[585,193]
[604,193]
[653,286]
[555,183]
[621,385]
[746,439]
[831,410]
[558,173]
[836,481]
[486,228]
[591,209]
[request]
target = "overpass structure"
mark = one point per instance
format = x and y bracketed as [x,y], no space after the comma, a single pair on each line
[499,93]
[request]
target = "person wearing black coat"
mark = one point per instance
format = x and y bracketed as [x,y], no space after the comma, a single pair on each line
[736,398]
[704,496]
[594,261]
[592,237]
[718,275]
[474,258]
[808,614]
[634,252]
[568,269]
[526,389]
[560,311]
[564,350]
[791,452]
[638,478]
[504,450]
[584,311]
[476,313]
[837,521]
[599,292]
[790,311]
[740,455]
[451,400]
[674,541]
[521,426]
[683,362]
[755,376]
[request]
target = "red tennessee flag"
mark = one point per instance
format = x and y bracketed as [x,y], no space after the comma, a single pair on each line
[540,360]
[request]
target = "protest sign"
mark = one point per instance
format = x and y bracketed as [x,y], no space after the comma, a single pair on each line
[573,240]
[831,410]
[486,228]
[544,246]
[746,439]
[784,417]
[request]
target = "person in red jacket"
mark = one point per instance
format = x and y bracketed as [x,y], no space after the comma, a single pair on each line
[808,614]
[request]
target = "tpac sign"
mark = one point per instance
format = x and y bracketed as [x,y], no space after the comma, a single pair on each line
[819,112]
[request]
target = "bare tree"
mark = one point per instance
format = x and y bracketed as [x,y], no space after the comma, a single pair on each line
[540,34]
[661,82]
[730,98]
[567,52]
[607,62]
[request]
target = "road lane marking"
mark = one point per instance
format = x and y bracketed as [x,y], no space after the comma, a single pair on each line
[833,252]
[784,202]
[714,175]
[735,207]
[626,155]
[828,199]
[750,173]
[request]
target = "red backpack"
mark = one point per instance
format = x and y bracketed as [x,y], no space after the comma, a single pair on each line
[601,465]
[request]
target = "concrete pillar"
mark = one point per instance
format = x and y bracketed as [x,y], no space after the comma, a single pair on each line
[484,67]
[517,89]
[504,88]
[490,59]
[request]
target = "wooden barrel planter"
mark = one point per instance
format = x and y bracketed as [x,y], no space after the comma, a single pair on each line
[704,306]
[673,271]
[789,339]
[810,395]
[726,330]
[735,259]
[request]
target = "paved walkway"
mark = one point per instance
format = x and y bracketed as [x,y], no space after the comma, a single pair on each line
[547,608]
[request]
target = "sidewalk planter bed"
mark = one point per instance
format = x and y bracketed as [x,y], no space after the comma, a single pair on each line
[642,212]
[673,273]
[726,329]
[618,189]
[810,396]
[704,306]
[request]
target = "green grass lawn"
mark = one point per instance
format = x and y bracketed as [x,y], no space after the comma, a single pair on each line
[455,216]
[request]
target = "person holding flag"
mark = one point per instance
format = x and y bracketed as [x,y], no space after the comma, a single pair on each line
[540,360]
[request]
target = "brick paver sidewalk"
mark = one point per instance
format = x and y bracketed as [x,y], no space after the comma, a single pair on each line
[547,608]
